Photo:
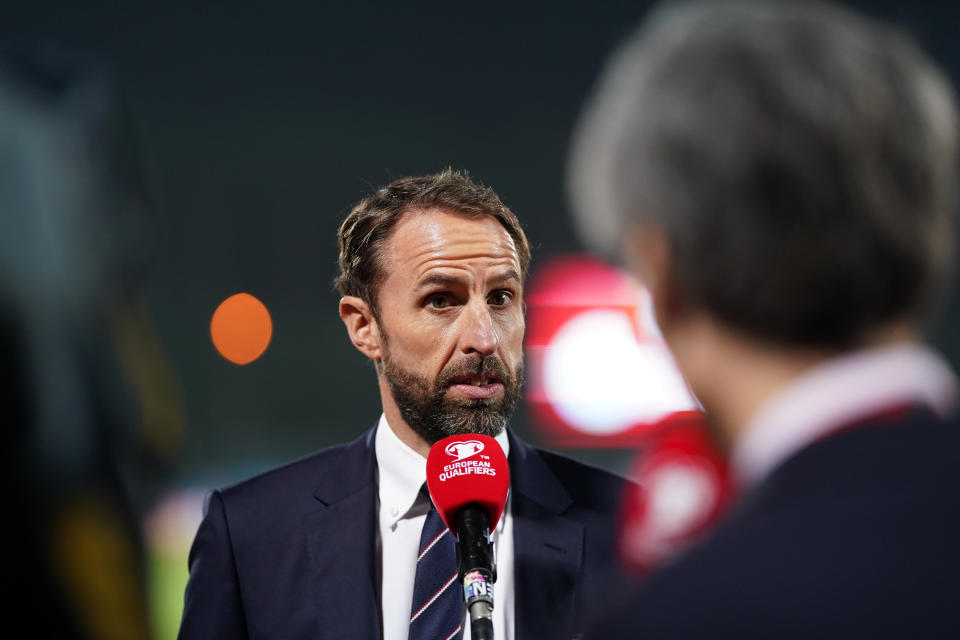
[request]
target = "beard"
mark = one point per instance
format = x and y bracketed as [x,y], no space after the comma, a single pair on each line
[434,416]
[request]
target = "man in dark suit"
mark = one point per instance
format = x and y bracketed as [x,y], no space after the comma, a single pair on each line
[431,271]
[782,177]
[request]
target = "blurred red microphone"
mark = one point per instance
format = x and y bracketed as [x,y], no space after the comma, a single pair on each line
[468,478]
[683,490]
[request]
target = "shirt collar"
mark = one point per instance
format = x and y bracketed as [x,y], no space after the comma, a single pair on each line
[840,391]
[403,472]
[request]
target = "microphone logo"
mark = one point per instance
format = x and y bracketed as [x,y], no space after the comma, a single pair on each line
[464,449]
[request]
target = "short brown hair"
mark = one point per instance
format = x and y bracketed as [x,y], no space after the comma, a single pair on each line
[800,158]
[365,230]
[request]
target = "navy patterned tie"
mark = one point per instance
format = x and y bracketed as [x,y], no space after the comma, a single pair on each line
[437,609]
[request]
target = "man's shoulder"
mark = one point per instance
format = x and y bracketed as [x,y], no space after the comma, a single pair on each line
[863,520]
[566,467]
[891,476]
[817,560]
[911,458]
[298,479]
[587,485]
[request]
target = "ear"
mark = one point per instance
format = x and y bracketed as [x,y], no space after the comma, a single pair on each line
[646,251]
[361,326]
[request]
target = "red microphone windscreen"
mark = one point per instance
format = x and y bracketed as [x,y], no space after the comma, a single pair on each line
[464,469]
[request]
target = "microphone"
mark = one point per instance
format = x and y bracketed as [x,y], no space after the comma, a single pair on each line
[468,478]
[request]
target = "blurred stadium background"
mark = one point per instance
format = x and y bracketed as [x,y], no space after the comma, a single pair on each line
[256,126]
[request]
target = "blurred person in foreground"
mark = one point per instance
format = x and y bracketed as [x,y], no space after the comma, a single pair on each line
[781,176]
[91,409]
[432,270]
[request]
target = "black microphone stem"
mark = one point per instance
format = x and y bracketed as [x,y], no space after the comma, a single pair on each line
[476,568]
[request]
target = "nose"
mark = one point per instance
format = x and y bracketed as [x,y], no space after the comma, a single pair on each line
[478,335]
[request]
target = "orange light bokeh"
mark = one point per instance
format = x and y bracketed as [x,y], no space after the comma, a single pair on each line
[241,328]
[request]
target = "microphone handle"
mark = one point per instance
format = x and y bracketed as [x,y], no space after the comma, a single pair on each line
[474,547]
[476,567]
[481,623]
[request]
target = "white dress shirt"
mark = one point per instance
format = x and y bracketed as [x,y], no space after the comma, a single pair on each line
[840,391]
[402,511]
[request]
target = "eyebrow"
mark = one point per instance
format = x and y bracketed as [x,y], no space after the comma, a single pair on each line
[446,280]
[506,276]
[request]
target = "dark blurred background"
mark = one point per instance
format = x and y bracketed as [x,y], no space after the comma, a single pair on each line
[258,125]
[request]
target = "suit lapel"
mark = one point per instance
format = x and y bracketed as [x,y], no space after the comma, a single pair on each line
[548,547]
[342,544]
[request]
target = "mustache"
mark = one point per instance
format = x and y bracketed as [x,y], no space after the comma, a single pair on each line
[475,365]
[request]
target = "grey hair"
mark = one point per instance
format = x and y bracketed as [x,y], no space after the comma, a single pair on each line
[800,158]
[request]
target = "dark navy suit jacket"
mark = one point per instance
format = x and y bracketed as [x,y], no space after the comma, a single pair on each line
[854,536]
[291,553]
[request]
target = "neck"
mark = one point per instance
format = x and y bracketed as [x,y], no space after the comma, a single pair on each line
[400,428]
[734,375]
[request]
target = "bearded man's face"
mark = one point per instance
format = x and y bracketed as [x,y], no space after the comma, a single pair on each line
[451,323]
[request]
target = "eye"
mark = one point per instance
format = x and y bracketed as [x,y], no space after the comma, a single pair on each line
[438,300]
[500,298]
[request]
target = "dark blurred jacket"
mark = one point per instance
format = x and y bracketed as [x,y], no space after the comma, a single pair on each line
[854,536]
